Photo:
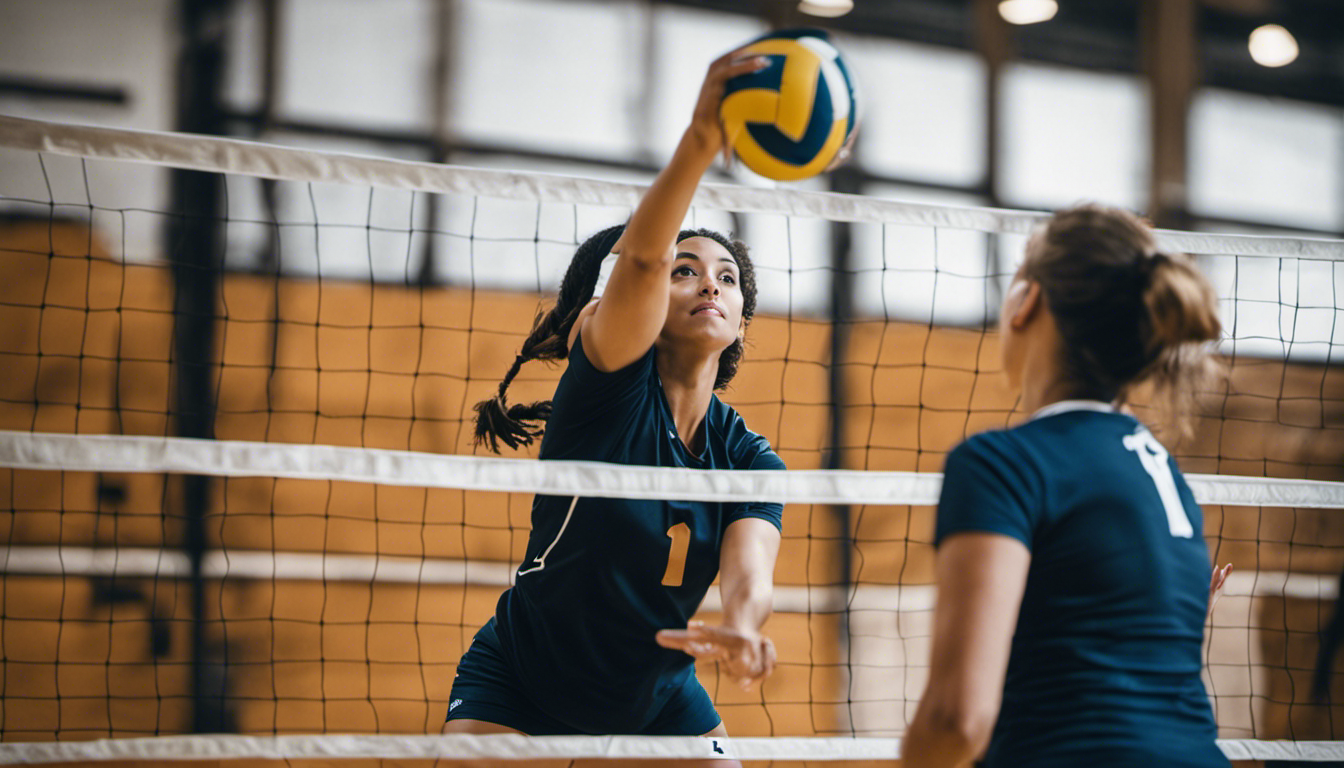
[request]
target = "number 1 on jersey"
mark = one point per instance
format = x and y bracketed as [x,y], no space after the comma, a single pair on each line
[676,555]
[1153,457]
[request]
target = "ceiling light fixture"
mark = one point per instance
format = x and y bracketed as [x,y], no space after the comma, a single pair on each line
[826,8]
[1273,46]
[1028,11]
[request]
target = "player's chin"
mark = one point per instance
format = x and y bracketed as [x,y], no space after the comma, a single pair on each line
[712,336]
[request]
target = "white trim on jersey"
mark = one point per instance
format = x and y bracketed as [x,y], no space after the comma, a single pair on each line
[1064,406]
[541,561]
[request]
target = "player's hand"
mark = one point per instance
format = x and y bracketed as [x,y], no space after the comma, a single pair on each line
[1216,584]
[705,124]
[747,657]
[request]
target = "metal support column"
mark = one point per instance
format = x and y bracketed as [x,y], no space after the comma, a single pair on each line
[1170,61]
[847,180]
[195,251]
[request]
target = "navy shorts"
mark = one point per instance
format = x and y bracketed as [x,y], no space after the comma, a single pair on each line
[487,688]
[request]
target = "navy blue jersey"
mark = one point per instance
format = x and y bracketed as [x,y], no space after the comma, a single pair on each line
[1105,662]
[602,576]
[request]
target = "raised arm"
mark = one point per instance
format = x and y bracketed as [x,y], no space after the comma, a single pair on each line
[633,307]
[746,583]
[981,578]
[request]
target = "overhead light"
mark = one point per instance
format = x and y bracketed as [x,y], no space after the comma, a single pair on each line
[1273,46]
[827,8]
[1027,11]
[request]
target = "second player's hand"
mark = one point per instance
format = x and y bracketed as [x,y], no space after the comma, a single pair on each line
[1216,583]
[747,657]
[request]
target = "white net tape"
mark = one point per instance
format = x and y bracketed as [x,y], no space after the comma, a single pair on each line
[232,458]
[515,747]
[222,155]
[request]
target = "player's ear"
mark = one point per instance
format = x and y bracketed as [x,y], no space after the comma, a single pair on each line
[1024,302]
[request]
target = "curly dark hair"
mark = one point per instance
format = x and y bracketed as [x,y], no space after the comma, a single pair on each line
[519,425]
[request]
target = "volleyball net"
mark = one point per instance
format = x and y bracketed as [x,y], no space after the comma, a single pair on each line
[241,495]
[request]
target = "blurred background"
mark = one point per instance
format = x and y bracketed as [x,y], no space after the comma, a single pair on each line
[1155,105]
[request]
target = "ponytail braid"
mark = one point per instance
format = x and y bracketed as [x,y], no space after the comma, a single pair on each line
[520,425]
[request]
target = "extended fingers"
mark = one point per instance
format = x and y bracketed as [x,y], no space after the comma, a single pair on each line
[746,659]
[692,642]
[734,63]
[745,65]
[759,664]
[768,657]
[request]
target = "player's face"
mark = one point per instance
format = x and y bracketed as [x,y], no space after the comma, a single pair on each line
[705,306]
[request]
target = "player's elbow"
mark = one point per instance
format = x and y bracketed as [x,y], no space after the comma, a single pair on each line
[956,730]
[971,726]
[647,256]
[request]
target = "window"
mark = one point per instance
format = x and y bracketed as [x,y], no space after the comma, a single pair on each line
[1267,160]
[1072,136]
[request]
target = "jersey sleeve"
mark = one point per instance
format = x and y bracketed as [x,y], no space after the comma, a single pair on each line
[987,489]
[759,456]
[586,397]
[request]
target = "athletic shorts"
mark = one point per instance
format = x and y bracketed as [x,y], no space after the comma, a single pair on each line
[487,688]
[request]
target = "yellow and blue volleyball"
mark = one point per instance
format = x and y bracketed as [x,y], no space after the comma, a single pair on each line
[795,117]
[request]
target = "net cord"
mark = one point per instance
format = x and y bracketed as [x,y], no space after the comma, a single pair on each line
[247,158]
[516,747]
[237,458]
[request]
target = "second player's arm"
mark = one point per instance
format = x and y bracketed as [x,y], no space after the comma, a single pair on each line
[981,578]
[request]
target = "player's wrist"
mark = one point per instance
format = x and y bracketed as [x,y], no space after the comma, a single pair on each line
[743,629]
[703,142]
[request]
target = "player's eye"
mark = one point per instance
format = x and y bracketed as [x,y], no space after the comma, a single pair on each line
[683,270]
[729,278]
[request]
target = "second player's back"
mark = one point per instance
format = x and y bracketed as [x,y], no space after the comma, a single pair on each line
[1110,628]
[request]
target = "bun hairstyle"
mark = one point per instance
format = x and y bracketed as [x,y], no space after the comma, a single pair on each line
[1128,314]
[519,425]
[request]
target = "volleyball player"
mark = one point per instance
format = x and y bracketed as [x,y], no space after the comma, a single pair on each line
[572,647]
[1073,577]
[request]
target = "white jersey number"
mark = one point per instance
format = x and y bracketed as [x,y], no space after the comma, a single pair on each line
[1153,457]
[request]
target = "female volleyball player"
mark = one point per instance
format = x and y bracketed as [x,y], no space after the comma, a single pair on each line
[1072,573]
[574,647]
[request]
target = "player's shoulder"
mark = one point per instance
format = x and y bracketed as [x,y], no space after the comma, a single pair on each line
[1040,442]
[1052,444]
[993,445]
[746,449]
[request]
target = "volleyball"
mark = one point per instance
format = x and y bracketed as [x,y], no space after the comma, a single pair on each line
[797,116]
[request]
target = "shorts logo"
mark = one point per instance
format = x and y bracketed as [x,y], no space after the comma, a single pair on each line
[453,706]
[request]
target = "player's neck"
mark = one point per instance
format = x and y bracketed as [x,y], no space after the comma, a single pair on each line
[688,383]
[1047,394]
[1043,379]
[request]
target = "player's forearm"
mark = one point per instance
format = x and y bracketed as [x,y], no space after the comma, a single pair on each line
[949,730]
[935,748]
[945,736]
[654,226]
[747,603]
